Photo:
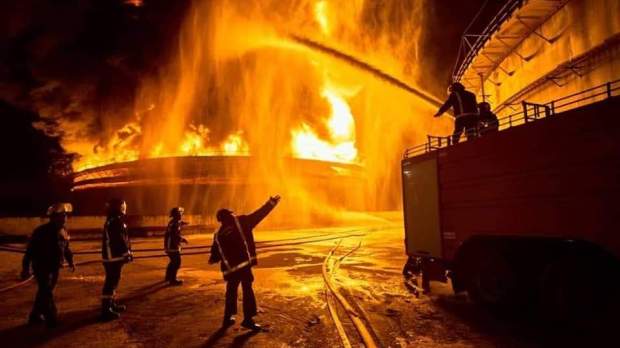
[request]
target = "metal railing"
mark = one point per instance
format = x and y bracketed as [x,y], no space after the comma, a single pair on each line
[529,112]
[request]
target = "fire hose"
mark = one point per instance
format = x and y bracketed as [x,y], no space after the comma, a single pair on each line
[260,245]
[356,318]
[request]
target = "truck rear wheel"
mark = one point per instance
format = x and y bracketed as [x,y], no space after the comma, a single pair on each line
[492,280]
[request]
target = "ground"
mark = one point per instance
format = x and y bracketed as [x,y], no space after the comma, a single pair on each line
[291,296]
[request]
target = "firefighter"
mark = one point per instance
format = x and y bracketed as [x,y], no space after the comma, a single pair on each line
[47,249]
[233,246]
[115,252]
[465,109]
[487,120]
[172,245]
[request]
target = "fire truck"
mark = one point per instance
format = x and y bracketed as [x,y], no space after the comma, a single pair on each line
[528,214]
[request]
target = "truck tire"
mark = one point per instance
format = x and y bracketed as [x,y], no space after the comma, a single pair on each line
[492,280]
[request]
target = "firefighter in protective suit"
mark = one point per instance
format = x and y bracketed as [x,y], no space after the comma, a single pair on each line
[488,122]
[465,111]
[233,246]
[47,249]
[172,245]
[115,252]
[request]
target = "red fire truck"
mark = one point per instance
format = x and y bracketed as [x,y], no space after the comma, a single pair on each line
[531,212]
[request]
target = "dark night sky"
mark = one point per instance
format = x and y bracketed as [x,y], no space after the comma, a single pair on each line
[61,45]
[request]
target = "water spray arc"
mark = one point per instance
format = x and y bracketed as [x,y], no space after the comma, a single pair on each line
[353,61]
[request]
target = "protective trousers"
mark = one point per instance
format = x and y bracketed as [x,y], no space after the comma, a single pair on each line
[44,300]
[173,266]
[112,278]
[467,123]
[249,301]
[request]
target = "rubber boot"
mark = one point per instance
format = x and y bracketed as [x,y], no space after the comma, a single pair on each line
[107,313]
[228,321]
[118,308]
[175,282]
[51,322]
[35,319]
[251,324]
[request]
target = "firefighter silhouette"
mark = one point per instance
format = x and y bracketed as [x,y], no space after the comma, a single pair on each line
[487,120]
[233,246]
[465,109]
[115,252]
[172,244]
[47,249]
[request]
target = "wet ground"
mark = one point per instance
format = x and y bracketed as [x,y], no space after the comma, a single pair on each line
[291,296]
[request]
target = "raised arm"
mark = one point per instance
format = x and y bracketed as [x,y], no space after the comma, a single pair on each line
[447,105]
[258,216]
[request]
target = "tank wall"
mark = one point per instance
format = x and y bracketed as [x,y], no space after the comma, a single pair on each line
[578,28]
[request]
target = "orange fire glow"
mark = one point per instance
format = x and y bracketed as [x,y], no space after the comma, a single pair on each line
[341,125]
[238,85]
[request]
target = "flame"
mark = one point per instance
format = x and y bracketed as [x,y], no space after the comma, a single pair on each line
[122,148]
[237,65]
[235,145]
[195,141]
[341,125]
[320,14]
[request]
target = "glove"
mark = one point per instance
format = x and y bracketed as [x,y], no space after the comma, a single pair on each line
[72,267]
[437,115]
[25,274]
[274,199]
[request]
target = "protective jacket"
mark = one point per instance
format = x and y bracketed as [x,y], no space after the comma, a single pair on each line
[115,246]
[488,117]
[463,102]
[233,243]
[173,237]
[47,249]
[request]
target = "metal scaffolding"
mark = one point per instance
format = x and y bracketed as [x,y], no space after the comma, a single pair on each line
[483,53]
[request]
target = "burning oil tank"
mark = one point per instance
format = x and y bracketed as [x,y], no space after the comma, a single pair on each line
[295,98]
[202,184]
[539,51]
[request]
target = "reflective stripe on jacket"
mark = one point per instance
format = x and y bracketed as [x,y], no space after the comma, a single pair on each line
[463,102]
[173,237]
[115,244]
[233,243]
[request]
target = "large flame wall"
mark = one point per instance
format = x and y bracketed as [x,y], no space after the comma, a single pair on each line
[239,86]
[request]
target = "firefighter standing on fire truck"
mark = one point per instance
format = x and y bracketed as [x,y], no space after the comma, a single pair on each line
[465,109]
[115,252]
[488,122]
[172,245]
[47,248]
[233,246]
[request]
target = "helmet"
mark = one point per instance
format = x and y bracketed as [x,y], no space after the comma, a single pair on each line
[484,106]
[59,208]
[176,211]
[223,215]
[116,206]
[456,86]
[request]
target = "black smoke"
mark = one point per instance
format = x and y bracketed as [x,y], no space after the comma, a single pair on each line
[76,62]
